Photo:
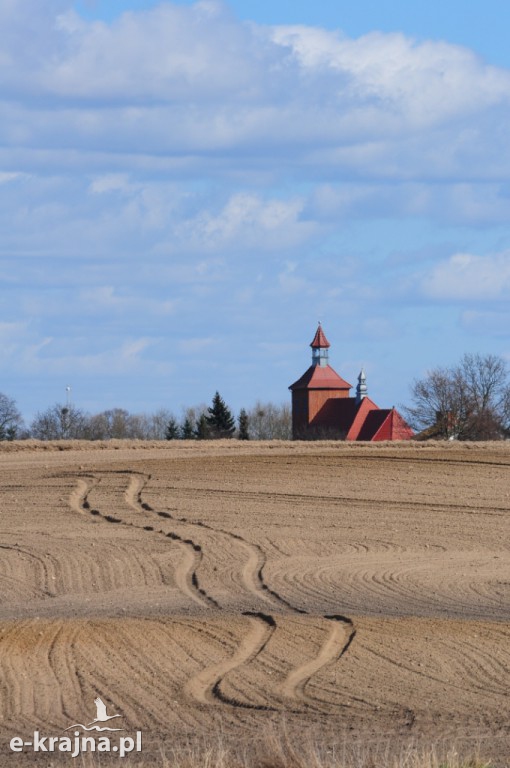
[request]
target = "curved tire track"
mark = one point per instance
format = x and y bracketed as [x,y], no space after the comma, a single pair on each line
[205,687]
[252,575]
[78,499]
[336,644]
[185,573]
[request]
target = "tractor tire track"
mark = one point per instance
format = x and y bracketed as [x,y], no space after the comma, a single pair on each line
[252,574]
[337,643]
[185,573]
[78,499]
[205,687]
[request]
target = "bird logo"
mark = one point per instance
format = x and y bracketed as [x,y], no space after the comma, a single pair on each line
[102,716]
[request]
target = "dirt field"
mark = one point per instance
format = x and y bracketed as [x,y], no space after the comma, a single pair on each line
[344,591]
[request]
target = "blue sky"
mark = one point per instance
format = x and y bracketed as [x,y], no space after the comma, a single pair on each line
[186,188]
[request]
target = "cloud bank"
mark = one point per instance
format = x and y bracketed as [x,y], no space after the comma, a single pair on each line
[178,174]
[189,87]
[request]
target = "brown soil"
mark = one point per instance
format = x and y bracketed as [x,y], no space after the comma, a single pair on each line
[349,591]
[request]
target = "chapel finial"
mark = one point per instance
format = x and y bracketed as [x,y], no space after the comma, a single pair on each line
[361,389]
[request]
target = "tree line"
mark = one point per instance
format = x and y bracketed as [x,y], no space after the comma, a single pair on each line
[264,421]
[466,401]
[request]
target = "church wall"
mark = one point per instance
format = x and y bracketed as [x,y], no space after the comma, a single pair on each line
[318,399]
[312,415]
[299,412]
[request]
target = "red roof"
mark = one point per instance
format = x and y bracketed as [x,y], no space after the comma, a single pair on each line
[320,377]
[373,423]
[384,424]
[394,427]
[355,427]
[319,340]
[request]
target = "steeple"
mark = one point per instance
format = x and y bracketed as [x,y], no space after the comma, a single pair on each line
[361,389]
[320,346]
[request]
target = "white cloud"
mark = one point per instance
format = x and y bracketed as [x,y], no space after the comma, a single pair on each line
[424,82]
[193,346]
[473,204]
[124,358]
[189,89]
[246,221]
[111,182]
[161,54]
[468,277]
[12,337]
[5,178]
[104,298]
[290,281]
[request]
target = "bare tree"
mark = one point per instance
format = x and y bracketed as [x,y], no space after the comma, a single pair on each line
[488,395]
[268,421]
[117,423]
[158,424]
[113,423]
[10,418]
[470,401]
[60,422]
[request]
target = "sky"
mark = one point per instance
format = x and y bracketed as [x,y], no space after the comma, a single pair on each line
[187,188]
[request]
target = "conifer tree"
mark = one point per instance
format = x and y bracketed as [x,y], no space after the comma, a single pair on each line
[187,431]
[220,421]
[202,430]
[172,430]
[243,423]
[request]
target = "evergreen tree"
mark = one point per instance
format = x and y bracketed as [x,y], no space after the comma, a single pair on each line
[187,431]
[220,421]
[243,422]
[172,430]
[202,430]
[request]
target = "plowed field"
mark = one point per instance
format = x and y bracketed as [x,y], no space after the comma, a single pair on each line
[353,591]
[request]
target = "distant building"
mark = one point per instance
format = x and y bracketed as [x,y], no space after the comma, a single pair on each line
[322,407]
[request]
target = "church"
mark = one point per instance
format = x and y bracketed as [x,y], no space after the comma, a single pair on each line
[322,407]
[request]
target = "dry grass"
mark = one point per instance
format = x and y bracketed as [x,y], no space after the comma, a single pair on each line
[278,750]
[220,757]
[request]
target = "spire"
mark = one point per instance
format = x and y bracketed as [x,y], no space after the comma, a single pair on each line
[361,389]
[320,346]
[320,340]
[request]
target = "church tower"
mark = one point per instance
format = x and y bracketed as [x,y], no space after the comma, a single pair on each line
[315,393]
